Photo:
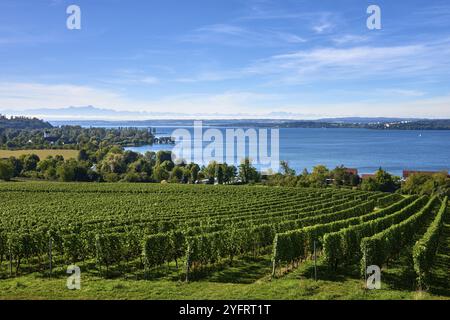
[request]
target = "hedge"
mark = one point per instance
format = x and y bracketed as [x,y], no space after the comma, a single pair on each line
[376,250]
[344,245]
[425,249]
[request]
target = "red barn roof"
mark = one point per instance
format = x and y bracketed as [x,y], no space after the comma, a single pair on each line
[351,171]
[367,176]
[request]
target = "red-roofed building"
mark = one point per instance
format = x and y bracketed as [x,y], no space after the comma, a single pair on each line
[351,171]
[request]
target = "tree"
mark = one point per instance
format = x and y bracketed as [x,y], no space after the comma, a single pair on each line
[338,175]
[83,155]
[415,182]
[167,165]
[65,172]
[319,176]
[130,157]
[132,177]
[73,170]
[195,169]
[163,156]
[440,185]
[141,166]
[113,162]
[303,179]
[6,170]
[160,174]
[230,173]
[370,184]
[382,181]
[422,183]
[30,162]
[186,174]
[342,177]
[355,180]
[150,156]
[17,165]
[48,167]
[248,173]
[386,181]
[286,170]
[219,174]
[176,175]
[210,171]
[111,177]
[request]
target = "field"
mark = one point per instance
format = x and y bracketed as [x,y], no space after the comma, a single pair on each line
[144,241]
[42,154]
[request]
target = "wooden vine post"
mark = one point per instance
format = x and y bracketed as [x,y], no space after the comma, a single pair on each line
[188,262]
[274,258]
[315,261]
[50,246]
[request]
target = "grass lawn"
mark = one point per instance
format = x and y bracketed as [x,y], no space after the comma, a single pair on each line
[42,154]
[253,283]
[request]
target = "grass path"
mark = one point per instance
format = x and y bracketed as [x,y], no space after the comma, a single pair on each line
[297,285]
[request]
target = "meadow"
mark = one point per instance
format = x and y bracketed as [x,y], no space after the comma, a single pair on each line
[148,241]
[42,154]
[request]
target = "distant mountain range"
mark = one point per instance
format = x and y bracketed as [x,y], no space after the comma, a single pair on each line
[95,117]
[79,113]
[88,113]
[94,113]
[367,120]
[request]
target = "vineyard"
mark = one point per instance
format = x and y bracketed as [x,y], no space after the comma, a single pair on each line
[147,231]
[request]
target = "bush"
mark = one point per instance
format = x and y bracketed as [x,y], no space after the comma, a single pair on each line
[156,249]
[6,170]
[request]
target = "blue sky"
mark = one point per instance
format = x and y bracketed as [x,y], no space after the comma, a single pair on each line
[299,59]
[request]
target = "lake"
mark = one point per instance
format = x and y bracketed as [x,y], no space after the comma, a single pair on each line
[366,150]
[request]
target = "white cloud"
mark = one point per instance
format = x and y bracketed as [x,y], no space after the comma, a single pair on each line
[418,61]
[232,35]
[131,77]
[349,38]
[36,95]
[150,80]
[350,56]
[25,39]
[289,37]
[20,96]
[207,76]
[232,102]
[437,107]
[403,92]
[323,27]
[360,62]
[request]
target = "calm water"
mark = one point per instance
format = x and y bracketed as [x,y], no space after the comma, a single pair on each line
[364,149]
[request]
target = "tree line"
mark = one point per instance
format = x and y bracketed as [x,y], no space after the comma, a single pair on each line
[321,176]
[72,137]
[22,123]
[114,164]
[102,158]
